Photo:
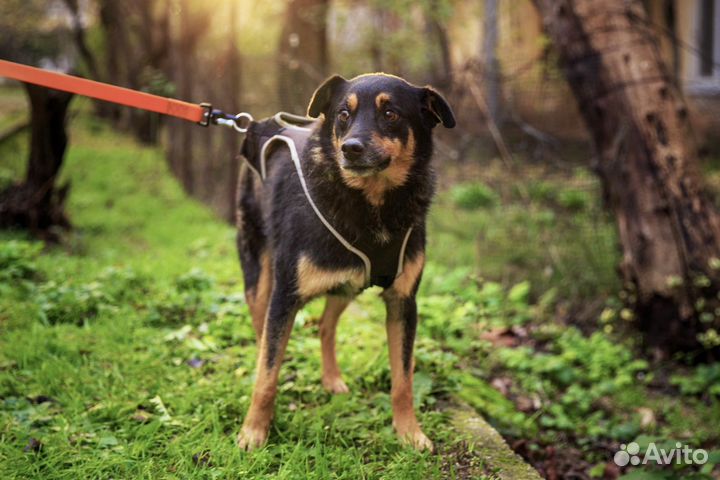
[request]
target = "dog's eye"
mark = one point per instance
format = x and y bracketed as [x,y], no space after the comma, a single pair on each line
[390,115]
[344,116]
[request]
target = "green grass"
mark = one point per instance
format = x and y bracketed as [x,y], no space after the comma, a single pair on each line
[548,229]
[13,106]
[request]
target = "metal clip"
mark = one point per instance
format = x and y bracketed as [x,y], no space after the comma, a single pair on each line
[242,122]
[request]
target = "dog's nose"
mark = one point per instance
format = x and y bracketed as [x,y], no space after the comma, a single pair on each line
[352,148]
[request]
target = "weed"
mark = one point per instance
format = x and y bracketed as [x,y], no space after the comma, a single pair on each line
[472,196]
[18,261]
[574,200]
[67,303]
[705,379]
[571,379]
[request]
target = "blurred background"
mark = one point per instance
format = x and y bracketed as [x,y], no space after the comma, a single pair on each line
[527,228]
[263,57]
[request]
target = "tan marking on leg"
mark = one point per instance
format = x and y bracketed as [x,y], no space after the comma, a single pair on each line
[405,283]
[259,297]
[352,102]
[331,378]
[381,99]
[402,157]
[314,280]
[256,424]
[250,299]
[404,419]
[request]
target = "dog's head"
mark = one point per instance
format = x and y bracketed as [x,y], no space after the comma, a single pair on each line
[376,124]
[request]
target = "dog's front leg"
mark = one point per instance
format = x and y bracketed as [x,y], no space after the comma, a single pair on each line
[401,325]
[331,378]
[276,332]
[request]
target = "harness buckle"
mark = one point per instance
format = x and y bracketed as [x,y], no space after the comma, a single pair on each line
[207,115]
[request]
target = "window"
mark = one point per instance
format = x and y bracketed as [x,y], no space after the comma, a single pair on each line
[707,38]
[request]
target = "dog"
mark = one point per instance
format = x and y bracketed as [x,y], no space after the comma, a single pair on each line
[347,211]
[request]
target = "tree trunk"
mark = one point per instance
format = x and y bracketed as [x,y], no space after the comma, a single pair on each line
[112,15]
[136,50]
[80,40]
[185,79]
[491,65]
[36,204]
[233,77]
[303,53]
[646,160]
[440,58]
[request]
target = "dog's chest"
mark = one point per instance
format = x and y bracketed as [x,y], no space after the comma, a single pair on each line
[314,280]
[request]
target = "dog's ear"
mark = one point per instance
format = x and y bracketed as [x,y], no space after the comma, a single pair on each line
[321,98]
[436,108]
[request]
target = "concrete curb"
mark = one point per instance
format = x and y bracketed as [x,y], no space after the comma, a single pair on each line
[489,446]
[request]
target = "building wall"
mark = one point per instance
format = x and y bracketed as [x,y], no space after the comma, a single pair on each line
[535,91]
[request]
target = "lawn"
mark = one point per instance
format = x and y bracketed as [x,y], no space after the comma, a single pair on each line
[127,351]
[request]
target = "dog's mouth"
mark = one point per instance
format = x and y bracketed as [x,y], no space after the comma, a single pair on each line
[365,169]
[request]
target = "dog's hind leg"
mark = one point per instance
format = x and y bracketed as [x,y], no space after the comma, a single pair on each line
[252,245]
[331,378]
[259,295]
[276,332]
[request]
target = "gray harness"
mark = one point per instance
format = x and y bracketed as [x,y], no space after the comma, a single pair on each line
[295,122]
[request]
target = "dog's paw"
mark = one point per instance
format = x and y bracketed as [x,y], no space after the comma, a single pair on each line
[418,440]
[251,438]
[335,385]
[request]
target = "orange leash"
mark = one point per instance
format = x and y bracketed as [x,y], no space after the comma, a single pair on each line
[110,93]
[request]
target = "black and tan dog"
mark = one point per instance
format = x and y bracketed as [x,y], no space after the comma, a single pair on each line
[350,214]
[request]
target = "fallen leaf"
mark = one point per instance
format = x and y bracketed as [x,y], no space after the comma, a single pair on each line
[195,363]
[141,416]
[82,438]
[161,408]
[502,385]
[202,459]
[528,404]
[7,365]
[647,417]
[163,411]
[501,336]
[33,445]
[179,334]
[611,472]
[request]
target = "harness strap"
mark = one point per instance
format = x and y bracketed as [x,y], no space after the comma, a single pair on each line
[401,260]
[298,167]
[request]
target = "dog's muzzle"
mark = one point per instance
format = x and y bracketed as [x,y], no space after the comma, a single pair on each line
[357,159]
